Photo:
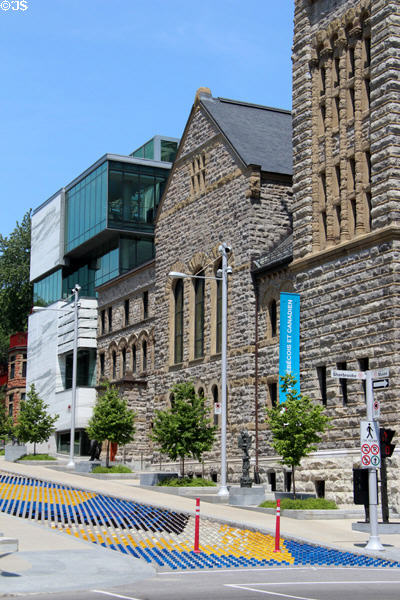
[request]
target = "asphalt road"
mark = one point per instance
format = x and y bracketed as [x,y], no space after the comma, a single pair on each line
[251,584]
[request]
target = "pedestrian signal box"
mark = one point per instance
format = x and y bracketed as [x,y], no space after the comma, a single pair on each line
[386,436]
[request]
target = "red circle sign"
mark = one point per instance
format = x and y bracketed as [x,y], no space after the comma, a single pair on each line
[365,460]
[365,448]
[375,449]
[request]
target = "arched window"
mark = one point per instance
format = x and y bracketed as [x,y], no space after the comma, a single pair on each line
[114,364]
[272,317]
[199,316]
[144,355]
[123,354]
[214,392]
[178,321]
[134,359]
[200,392]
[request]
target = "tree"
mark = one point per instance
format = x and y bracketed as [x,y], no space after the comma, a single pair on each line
[295,426]
[112,420]
[184,429]
[34,423]
[15,287]
[6,423]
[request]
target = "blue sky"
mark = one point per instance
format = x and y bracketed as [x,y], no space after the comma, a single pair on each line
[84,77]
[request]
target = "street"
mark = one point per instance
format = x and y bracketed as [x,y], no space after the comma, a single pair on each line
[248,584]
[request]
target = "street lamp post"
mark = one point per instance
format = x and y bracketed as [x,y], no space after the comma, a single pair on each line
[222,275]
[75,290]
[71,464]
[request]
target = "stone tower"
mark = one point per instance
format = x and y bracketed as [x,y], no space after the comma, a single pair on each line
[346,220]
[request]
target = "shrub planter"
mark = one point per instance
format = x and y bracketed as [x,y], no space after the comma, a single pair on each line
[299,495]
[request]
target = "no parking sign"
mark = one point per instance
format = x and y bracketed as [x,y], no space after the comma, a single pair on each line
[370,448]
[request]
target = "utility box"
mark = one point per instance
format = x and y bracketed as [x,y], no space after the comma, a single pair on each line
[360,486]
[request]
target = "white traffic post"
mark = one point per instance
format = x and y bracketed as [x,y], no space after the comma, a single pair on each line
[374,542]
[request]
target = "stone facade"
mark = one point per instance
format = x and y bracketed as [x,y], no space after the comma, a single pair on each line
[336,243]
[346,219]
[212,196]
[16,384]
[125,353]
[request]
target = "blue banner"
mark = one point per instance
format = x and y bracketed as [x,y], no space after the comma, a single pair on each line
[289,339]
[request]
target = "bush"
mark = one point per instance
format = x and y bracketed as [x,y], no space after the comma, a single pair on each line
[187,482]
[307,504]
[2,452]
[114,469]
[37,457]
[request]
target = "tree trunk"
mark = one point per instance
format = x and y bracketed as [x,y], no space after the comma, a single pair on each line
[34,448]
[108,454]
[182,466]
[294,484]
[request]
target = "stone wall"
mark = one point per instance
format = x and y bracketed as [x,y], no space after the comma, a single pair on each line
[131,327]
[349,282]
[250,211]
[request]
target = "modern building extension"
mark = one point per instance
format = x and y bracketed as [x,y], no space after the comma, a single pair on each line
[96,228]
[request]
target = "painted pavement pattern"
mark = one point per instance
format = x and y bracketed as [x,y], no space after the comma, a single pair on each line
[161,537]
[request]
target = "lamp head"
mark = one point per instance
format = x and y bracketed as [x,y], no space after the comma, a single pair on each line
[177,275]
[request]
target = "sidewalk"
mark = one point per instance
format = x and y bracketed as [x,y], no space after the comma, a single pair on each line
[51,561]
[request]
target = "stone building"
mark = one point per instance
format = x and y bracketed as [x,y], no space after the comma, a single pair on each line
[231,182]
[125,348]
[346,219]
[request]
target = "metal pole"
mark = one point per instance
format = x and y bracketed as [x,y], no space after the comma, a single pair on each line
[374,542]
[223,490]
[71,464]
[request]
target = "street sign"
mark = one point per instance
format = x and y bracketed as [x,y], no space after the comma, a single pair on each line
[370,448]
[380,384]
[348,374]
[379,373]
[376,410]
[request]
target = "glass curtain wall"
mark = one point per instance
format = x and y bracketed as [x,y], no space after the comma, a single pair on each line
[48,290]
[134,194]
[86,206]
[86,369]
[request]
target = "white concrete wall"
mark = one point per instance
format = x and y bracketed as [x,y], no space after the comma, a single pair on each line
[49,337]
[47,241]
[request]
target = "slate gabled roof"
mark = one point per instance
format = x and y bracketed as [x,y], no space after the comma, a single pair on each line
[279,256]
[259,134]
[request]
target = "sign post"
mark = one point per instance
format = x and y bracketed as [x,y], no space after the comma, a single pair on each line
[370,442]
[374,542]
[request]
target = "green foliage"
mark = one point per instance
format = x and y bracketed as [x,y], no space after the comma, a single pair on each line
[306,504]
[113,469]
[6,424]
[185,429]
[186,482]
[15,288]
[295,426]
[2,452]
[112,420]
[37,457]
[34,424]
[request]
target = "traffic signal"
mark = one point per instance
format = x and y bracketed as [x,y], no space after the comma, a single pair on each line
[386,436]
